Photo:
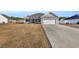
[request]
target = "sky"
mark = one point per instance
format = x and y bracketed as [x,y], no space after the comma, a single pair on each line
[22,8]
[26,13]
[39,5]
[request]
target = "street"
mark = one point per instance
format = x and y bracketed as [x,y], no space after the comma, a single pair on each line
[61,36]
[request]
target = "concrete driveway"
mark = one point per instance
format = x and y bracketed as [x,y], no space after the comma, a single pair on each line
[61,36]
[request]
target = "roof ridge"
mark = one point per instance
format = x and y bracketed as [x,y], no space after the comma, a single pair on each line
[53,14]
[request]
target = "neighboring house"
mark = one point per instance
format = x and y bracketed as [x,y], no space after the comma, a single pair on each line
[16,21]
[12,21]
[20,21]
[71,20]
[3,18]
[34,18]
[49,18]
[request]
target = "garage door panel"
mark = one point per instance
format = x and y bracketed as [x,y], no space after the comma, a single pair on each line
[48,21]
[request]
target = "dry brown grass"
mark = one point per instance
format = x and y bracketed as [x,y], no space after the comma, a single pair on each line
[72,25]
[23,36]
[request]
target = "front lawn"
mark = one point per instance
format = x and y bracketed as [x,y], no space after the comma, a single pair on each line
[23,36]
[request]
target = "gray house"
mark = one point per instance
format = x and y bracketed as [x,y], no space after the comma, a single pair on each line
[71,20]
[34,18]
[3,18]
[49,18]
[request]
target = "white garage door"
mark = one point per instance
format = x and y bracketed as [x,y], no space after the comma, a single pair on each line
[48,21]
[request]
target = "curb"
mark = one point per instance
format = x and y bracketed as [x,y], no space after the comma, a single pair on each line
[48,37]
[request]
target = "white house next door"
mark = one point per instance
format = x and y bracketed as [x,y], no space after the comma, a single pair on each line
[48,21]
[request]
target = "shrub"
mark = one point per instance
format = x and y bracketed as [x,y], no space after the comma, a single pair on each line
[67,23]
[78,22]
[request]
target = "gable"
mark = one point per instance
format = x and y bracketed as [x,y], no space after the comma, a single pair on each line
[49,15]
[3,19]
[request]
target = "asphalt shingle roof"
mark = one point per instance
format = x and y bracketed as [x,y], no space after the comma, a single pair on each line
[73,17]
[36,16]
